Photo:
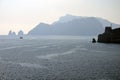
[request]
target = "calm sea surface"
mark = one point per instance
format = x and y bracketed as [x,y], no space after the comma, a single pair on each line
[58,58]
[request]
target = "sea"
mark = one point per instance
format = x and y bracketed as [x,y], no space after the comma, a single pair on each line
[58,58]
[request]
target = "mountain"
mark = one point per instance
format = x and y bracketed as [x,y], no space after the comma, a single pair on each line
[67,18]
[72,25]
[108,23]
[40,29]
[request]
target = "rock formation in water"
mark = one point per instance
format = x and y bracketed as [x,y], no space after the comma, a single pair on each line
[110,35]
[11,33]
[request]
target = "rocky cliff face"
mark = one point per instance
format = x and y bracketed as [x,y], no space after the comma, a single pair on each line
[110,35]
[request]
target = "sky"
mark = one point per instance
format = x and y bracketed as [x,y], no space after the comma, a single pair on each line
[24,15]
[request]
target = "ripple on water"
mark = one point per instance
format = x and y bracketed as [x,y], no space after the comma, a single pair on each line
[99,51]
[13,47]
[50,56]
[43,47]
[31,65]
[0,58]
[84,49]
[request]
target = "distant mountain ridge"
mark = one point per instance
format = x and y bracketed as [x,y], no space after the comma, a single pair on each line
[73,25]
[67,18]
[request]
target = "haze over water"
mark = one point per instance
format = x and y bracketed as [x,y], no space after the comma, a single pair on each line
[58,58]
[26,14]
[47,57]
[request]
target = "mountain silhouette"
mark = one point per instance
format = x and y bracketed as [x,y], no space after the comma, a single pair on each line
[67,18]
[72,25]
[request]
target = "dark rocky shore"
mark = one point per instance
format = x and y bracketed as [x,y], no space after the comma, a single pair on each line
[110,36]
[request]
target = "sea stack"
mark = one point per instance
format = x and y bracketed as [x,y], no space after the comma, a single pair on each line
[93,40]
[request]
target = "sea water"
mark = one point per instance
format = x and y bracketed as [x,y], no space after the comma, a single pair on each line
[58,58]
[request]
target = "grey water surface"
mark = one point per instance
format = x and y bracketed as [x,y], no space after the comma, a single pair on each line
[72,58]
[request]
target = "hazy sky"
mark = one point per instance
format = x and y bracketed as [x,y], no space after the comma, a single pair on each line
[25,14]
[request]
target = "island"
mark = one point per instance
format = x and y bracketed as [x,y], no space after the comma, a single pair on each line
[110,35]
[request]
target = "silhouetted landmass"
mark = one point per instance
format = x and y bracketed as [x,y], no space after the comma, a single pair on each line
[72,25]
[110,35]
[11,33]
[69,17]
[93,40]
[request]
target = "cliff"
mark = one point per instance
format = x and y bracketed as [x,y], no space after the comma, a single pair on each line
[110,35]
